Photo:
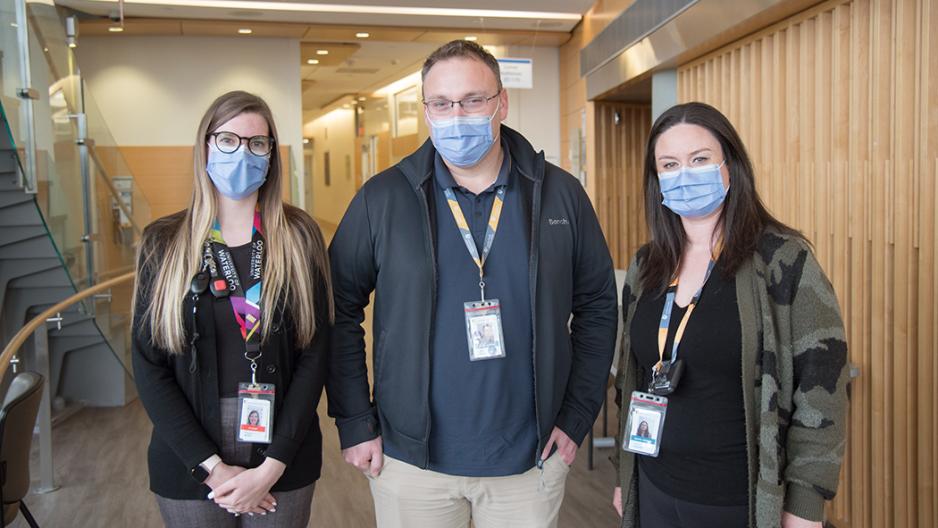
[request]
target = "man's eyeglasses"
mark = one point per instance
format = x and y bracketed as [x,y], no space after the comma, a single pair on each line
[229,142]
[471,105]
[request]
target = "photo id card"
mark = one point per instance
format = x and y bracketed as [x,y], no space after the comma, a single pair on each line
[255,412]
[484,330]
[642,434]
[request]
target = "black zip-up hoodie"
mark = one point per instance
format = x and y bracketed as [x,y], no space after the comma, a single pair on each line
[386,244]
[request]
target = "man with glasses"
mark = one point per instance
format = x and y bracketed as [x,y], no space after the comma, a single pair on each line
[478,253]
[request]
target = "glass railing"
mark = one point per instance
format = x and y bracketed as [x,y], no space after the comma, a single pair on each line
[92,206]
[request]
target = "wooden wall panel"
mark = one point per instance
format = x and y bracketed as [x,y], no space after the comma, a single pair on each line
[838,107]
[618,181]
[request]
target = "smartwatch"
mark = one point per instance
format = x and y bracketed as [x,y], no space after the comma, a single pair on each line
[201,472]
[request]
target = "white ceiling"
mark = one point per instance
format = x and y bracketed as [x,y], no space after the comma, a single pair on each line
[389,60]
[375,63]
[242,10]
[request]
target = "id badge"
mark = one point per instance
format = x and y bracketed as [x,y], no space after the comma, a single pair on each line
[484,330]
[255,412]
[643,429]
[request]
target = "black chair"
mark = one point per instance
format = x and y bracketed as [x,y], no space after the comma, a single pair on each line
[17,420]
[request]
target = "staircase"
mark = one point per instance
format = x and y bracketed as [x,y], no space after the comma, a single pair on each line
[43,259]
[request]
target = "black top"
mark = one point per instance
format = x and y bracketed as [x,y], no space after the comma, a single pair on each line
[233,368]
[703,446]
[180,391]
[481,412]
[386,244]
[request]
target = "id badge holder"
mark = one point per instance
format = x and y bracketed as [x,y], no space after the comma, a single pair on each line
[255,412]
[642,434]
[484,330]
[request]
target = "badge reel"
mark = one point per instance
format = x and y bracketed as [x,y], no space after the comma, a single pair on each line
[665,377]
[642,434]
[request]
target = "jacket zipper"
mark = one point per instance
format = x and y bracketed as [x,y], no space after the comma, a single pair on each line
[429,240]
[532,271]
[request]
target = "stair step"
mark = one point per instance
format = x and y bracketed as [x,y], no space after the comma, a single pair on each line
[8,161]
[13,234]
[65,343]
[36,247]
[48,278]
[13,196]
[41,298]
[20,214]
[52,277]
[76,326]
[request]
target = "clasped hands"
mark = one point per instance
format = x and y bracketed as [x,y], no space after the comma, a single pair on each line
[245,491]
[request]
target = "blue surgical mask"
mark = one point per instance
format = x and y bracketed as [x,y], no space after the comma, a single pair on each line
[693,192]
[463,140]
[239,174]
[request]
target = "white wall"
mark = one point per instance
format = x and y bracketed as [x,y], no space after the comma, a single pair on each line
[536,112]
[335,133]
[153,91]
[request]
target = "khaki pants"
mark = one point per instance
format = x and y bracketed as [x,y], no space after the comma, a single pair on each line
[409,497]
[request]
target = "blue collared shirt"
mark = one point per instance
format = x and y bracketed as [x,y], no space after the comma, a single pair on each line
[483,420]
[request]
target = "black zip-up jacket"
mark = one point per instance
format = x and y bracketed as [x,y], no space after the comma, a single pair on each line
[180,391]
[386,244]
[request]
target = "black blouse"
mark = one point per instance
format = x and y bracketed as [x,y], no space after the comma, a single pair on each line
[703,445]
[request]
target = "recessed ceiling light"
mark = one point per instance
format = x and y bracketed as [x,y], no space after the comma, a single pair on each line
[322,52]
[471,38]
[312,61]
[245,31]
[363,35]
[115,29]
[362,98]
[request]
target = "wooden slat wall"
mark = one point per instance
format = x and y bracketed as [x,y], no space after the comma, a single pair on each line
[618,183]
[838,107]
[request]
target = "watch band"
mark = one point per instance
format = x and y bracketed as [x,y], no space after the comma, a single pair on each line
[209,463]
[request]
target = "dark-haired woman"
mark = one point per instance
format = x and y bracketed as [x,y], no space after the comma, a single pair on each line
[732,333]
[232,313]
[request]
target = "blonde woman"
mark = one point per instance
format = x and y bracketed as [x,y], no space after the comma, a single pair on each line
[232,311]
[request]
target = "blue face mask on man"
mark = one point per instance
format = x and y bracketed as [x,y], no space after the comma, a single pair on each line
[238,174]
[693,192]
[463,140]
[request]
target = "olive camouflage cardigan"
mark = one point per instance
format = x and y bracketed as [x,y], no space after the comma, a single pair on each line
[794,382]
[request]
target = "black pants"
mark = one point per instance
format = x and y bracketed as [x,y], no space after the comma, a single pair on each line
[657,509]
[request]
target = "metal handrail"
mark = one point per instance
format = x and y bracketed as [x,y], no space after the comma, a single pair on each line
[14,345]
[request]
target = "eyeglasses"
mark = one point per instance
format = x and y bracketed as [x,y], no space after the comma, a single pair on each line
[229,142]
[471,105]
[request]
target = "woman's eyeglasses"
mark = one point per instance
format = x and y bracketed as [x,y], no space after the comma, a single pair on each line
[229,142]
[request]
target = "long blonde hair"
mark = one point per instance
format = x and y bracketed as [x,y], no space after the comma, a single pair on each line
[296,267]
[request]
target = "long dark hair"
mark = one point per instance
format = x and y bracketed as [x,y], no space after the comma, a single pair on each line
[743,219]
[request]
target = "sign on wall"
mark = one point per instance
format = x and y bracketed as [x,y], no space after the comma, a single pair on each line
[517,73]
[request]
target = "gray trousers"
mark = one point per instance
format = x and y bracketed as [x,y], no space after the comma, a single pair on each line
[293,507]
